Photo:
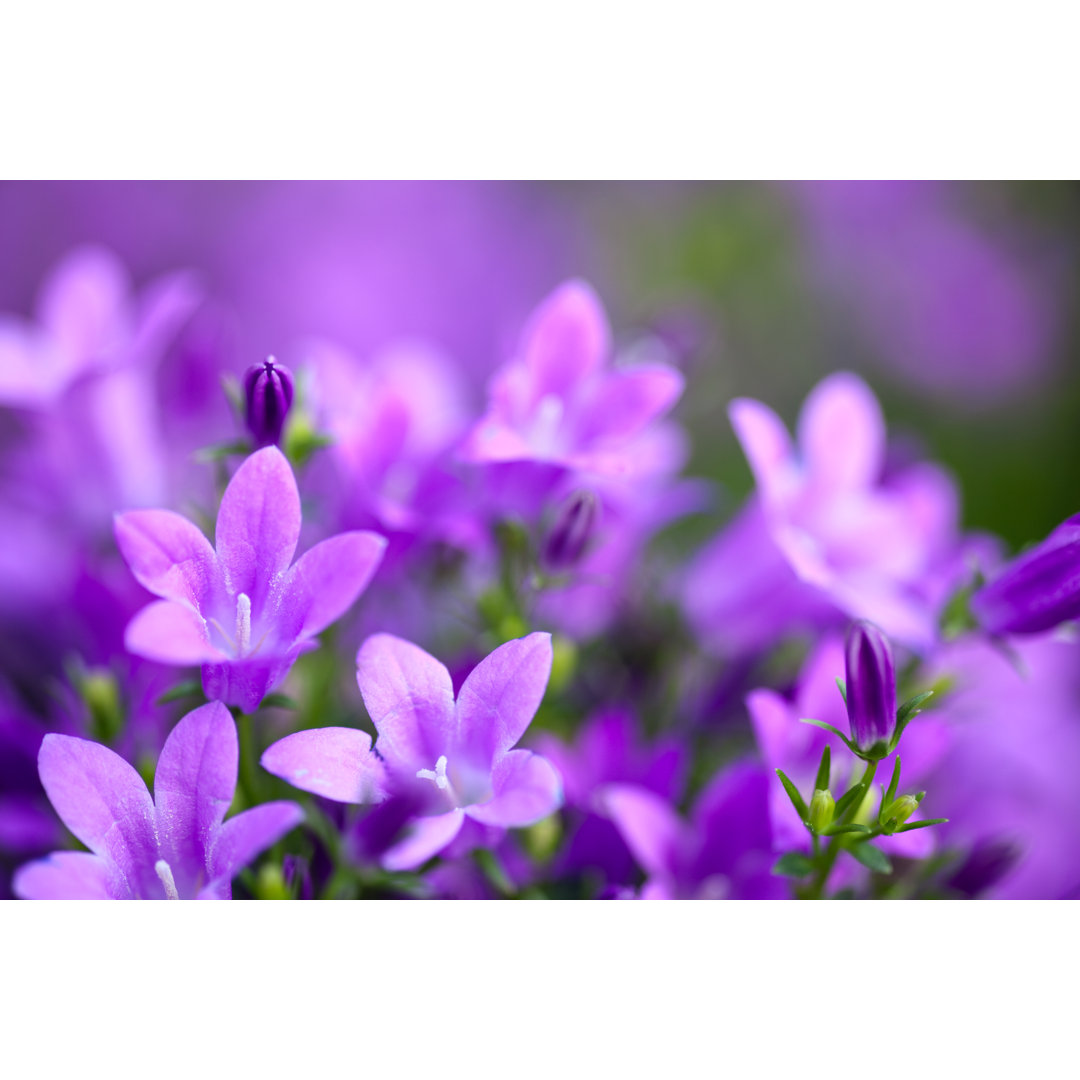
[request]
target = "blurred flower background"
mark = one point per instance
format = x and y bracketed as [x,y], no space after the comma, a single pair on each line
[397,305]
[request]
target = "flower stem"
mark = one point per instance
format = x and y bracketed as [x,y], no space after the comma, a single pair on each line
[249,777]
[836,843]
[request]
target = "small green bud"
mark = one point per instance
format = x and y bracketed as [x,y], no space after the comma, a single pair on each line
[270,884]
[564,662]
[822,809]
[102,696]
[543,838]
[899,810]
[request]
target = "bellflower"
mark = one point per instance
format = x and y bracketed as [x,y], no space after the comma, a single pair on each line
[559,403]
[871,686]
[268,393]
[459,754]
[241,611]
[724,852]
[872,544]
[176,845]
[1036,591]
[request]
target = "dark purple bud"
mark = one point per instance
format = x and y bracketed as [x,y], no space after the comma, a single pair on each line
[1037,591]
[268,393]
[569,536]
[871,686]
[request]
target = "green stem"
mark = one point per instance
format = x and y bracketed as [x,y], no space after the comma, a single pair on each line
[249,776]
[836,844]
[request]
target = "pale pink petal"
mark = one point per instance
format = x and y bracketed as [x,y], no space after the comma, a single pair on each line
[168,555]
[426,837]
[66,875]
[249,834]
[652,829]
[336,763]
[527,789]
[170,633]
[765,442]
[842,434]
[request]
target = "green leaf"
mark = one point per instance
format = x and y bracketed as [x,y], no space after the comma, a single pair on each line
[796,799]
[188,688]
[822,781]
[845,800]
[277,700]
[909,709]
[871,857]
[842,687]
[894,783]
[793,864]
[833,730]
[838,830]
[922,824]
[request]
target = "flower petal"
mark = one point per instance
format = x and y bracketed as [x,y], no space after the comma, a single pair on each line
[426,837]
[652,829]
[327,580]
[66,875]
[105,804]
[246,682]
[527,789]
[500,697]
[193,788]
[842,433]
[625,401]
[410,698]
[170,633]
[765,442]
[258,524]
[168,555]
[334,762]
[247,835]
[566,339]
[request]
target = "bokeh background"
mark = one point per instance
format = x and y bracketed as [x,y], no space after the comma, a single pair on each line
[954,301]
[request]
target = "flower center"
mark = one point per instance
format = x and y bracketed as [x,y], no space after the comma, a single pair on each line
[164,873]
[439,778]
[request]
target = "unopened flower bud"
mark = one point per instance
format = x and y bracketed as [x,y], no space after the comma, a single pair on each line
[268,393]
[871,688]
[569,536]
[822,809]
[899,810]
[1037,591]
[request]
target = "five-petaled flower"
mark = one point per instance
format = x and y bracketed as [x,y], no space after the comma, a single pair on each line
[174,846]
[242,611]
[459,753]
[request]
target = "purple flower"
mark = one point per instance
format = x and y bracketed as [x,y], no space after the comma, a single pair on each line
[723,852]
[458,754]
[174,846]
[268,393]
[559,403]
[873,545]
[242,612]
[1038,590]
[871,686]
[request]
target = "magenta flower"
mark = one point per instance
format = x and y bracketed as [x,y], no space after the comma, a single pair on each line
[458,754]
[558,402]
[873,545]
[174,846]
[242,612]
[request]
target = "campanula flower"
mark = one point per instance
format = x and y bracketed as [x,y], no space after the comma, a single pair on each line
[174,846]
[268,394]
[241,611]
[870,675]
[559,402]
[1037,591]
[458,754]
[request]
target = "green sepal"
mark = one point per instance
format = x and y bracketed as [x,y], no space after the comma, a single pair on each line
[842,687]
[796,799]
[843,804]
[839,830]
[188,688]
[894,783]
[871,857]
[908,711]
[833,730]
[922,824]
[793,864]
[278,700]
[822,781]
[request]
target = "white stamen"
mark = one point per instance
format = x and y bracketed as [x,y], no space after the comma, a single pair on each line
[243,624]
[164,872]
[438,776]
